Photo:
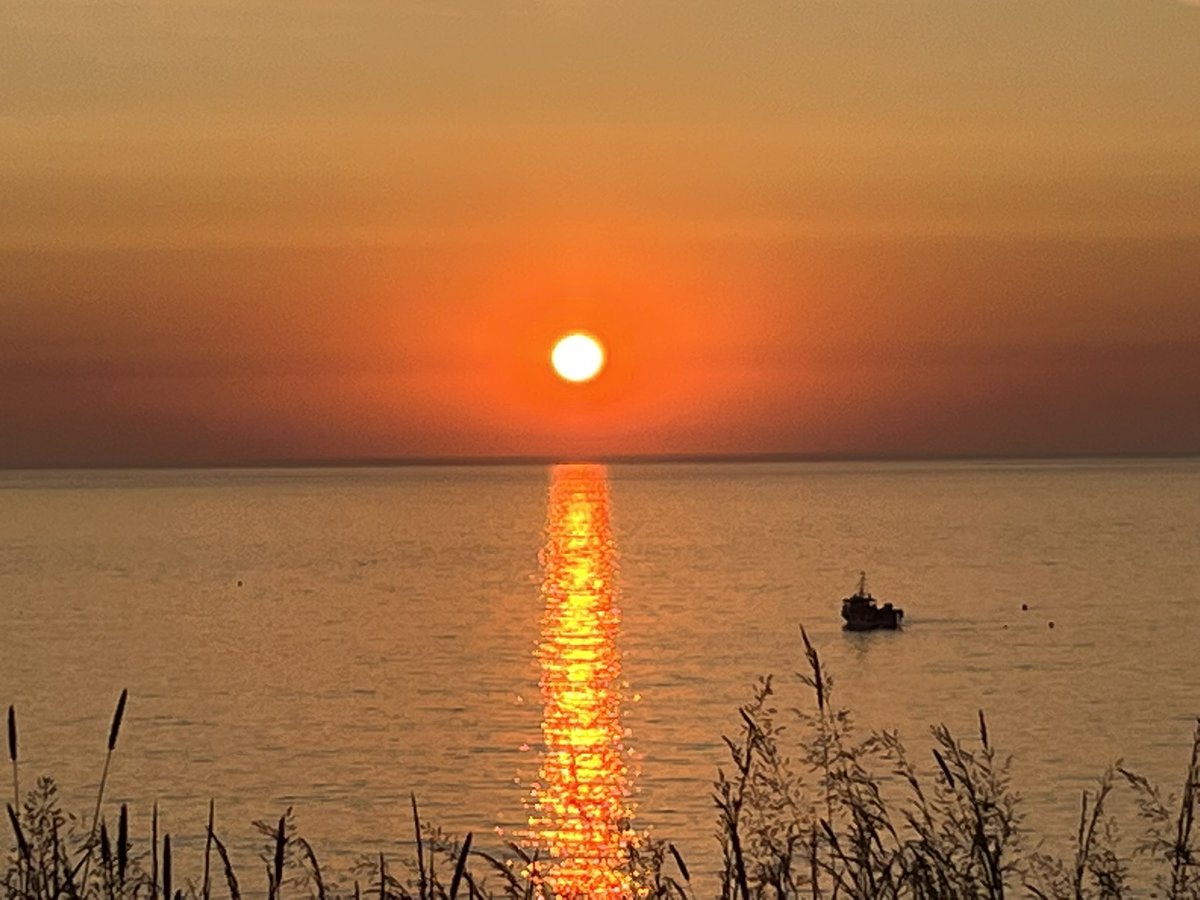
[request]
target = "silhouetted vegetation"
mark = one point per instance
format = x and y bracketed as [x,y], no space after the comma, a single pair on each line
[805,808]
[827,813]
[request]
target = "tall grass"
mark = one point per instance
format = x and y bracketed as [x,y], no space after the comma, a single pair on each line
[806,807]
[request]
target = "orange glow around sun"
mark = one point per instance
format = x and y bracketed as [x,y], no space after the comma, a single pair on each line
[577,357]
[582,812]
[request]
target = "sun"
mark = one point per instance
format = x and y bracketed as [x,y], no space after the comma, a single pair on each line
[577,357]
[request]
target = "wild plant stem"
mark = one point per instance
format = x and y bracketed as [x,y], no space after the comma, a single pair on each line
[1181,856]
[422,884]
[113,731]
[154,852]
[12,755]
[208,838]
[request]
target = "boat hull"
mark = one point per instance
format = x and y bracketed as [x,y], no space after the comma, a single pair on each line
[861,614]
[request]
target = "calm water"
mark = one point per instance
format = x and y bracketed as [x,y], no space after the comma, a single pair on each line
[382,638]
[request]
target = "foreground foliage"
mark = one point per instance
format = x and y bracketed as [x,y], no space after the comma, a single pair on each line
[805,808]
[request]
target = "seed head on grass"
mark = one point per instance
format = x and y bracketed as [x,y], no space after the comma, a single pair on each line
[118,714]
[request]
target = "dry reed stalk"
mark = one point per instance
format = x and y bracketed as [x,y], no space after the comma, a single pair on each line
[106,860]
[422,883]
[814,663]
[514,883]
[460,866]
[24,856]
[12,755]
[122,847]
[280,843]
[682,866]
[314,865]
[1182,857]
[166,867]
[154,852]
[1094,855]
[230,877]
[941,761]
[1083,839]
[208,836]
[57,860]
[68,874]
[731,795]
[814,869]
[821,684]
[22,844]
[113,730]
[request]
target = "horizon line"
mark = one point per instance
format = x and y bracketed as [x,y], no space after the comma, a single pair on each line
[501,460]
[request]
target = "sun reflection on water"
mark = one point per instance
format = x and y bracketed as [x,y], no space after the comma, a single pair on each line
[580,823]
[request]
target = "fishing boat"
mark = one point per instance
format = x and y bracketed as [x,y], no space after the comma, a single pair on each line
[862,613]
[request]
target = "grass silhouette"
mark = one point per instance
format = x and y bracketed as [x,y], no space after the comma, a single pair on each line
[805,808]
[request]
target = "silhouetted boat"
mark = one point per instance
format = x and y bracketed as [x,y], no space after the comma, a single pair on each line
[862,614]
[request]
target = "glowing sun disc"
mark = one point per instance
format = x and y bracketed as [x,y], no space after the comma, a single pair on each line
[577,357]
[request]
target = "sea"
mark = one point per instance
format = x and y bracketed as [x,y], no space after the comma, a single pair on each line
[338,641]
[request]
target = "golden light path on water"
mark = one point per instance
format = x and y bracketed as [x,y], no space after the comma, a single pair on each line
[580,823]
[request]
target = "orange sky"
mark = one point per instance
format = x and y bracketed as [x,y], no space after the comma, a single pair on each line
[261,231]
